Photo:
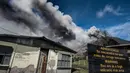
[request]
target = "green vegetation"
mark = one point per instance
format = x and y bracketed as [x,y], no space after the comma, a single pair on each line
[81,64]
[83,71]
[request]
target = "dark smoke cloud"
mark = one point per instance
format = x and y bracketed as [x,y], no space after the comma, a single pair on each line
[15,14]
[59,30]
[42,18]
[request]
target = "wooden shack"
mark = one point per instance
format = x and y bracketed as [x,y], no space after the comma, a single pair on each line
[25,54]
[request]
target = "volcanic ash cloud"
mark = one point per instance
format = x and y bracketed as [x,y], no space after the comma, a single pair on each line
[42,18]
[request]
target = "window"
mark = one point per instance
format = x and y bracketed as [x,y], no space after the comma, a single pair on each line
[64,60]
[5,54]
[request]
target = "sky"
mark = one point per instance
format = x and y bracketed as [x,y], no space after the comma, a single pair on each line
[110,15]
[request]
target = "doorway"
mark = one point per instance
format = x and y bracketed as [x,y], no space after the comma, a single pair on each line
[42,64]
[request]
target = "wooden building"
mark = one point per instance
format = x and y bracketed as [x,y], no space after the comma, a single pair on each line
[24,54]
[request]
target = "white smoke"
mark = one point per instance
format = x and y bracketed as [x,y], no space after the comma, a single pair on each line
[82,37]
[24,5]
[38,23]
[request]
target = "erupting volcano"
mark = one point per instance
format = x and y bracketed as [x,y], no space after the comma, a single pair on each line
[42,18]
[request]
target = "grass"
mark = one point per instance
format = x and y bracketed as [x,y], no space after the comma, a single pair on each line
[83,71]
[82,65]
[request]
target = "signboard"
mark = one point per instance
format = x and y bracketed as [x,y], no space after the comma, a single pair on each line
[107,60]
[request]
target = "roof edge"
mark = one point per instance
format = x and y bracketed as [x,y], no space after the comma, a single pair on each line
[42,38]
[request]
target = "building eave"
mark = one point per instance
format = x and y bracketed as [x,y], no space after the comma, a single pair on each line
[41,39]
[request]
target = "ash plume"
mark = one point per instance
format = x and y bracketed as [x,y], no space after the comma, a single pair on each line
[42,18]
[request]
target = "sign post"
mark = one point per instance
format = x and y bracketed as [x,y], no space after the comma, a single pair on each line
[107,60]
